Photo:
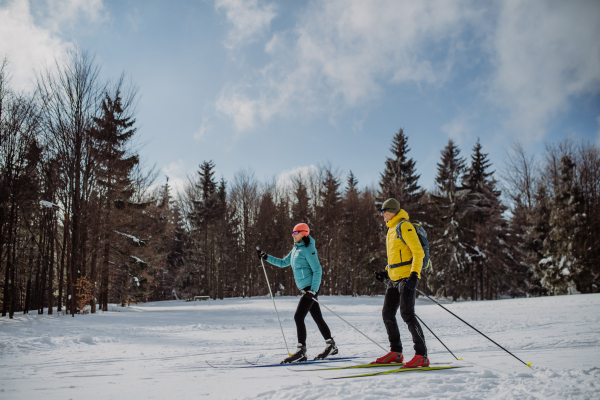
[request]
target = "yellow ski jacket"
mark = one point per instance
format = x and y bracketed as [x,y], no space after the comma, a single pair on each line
[403,258]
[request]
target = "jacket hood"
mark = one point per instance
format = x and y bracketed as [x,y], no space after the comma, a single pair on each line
[394,221]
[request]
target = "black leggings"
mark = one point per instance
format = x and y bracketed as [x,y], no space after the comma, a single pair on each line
[304,306]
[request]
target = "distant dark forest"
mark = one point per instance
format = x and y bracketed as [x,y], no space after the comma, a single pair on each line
[82,222]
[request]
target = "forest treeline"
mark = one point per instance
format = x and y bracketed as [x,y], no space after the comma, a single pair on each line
[83,223]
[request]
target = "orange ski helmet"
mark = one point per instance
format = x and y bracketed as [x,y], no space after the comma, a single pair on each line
[303,229]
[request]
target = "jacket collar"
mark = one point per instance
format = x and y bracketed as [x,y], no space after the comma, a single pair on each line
[394,221]
[301,243]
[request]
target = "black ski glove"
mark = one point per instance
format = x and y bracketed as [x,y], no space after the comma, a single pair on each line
[381,276]
[411,282]
[310,294]
[261,254]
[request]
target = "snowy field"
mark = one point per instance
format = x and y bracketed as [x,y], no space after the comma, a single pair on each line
[159,351]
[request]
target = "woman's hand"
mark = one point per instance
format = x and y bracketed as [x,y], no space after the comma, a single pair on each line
[261,254]
[310,294]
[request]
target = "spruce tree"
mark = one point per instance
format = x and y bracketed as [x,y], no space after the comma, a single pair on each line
[450,170]
[111,133]
[449,214]
[399,178]
[326,228]
[300,207]
[560,265]
[492,256]
[206,212]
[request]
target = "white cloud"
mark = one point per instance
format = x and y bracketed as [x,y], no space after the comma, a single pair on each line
[341,53]
[545,53]
[249,19]
[238,107]
[31,37]
[285,179]
[459,129]
[60,14]
[203,131]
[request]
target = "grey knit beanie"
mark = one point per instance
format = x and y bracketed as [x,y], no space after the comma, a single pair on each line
[391,205]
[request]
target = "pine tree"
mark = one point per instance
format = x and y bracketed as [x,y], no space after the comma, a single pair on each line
[450,170]
[399,179]
[350,245]
[111,133]
[561,262]
[266,237]
[450,258]
[490,252]
[204,218]
[300,206]
[326,229]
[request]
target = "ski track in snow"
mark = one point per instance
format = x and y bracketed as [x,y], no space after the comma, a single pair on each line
[159,350]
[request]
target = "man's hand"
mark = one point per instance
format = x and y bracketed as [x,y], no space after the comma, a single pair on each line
[261,254]
[381,276]
[411,282]
[310,294]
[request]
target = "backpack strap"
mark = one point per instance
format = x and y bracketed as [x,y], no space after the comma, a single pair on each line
[399,230]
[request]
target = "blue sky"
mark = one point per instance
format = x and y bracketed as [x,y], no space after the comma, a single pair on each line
[281,86]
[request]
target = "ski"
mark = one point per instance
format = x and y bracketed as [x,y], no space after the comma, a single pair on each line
[394,365]
[283,365]
[398,370]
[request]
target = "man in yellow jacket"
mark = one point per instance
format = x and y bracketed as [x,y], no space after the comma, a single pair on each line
[405,260]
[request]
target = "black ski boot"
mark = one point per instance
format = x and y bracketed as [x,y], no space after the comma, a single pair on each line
[298,356]
[330,350]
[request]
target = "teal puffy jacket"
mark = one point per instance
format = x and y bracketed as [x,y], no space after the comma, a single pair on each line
[305,264]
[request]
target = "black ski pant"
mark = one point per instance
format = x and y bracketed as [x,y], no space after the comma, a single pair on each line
[304,306]
[396,296]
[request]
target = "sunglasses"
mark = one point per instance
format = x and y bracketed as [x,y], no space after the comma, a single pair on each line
[297,232]
[386,209]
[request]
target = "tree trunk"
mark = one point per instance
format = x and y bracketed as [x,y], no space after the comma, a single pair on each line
[9,253]
[51,267]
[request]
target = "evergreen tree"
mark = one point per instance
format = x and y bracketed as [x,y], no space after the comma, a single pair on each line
[205,215]
[491,254]
[300,206]
[265,236]
[451,260]
[450,170]
[561,262]
[326,228]
[350,236]
[111,133]
[399,178]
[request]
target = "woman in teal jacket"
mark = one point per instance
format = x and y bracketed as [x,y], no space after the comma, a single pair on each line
[307,273]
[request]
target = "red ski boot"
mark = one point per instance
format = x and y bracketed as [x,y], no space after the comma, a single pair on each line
[390,358]
[417,361]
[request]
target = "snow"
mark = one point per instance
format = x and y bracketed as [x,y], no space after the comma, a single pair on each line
[159,350]
[545,260]
[136,240]
[138,260]
[48,204]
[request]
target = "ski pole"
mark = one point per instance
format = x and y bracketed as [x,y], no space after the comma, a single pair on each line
[348,323]
[475,329]
[272,298]
[436,337]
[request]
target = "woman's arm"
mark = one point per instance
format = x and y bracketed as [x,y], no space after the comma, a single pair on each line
[280,262]
[313,260]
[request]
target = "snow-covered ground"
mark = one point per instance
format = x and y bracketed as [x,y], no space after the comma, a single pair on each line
[159,350]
